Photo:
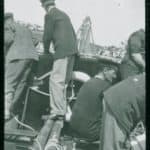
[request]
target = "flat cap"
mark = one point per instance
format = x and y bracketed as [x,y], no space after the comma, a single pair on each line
[48,2]
[8,15]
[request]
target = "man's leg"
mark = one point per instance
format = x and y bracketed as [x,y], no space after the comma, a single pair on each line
[111,136]
[22,86]
[61,74]
[13,75]
[53,141]
[62,70]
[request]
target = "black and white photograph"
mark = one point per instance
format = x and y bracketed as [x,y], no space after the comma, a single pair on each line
[74,75]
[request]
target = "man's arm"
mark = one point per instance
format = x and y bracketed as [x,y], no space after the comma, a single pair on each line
[136,50]
[9,35]
[34,39]
[48,31]
[137,57]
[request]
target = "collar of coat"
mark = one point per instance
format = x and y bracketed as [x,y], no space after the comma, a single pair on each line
[50,8]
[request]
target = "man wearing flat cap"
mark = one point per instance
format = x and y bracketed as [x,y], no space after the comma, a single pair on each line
[58,29]
[19,59]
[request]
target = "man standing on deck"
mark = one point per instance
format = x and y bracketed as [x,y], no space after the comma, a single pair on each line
[59,30]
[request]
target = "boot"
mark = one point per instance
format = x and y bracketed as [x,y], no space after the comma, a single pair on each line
[43,135]
[53,141]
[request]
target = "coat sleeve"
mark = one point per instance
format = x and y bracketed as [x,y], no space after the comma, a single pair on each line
[9,34]
[135,45]
[48,32]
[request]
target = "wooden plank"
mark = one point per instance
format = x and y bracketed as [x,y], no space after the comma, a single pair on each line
[19,132]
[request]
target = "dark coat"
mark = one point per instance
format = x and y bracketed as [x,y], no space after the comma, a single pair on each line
[87,110]
[22,47]
[126,101]
[59,30]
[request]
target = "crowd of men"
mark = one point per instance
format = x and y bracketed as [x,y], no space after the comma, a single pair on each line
[104,110]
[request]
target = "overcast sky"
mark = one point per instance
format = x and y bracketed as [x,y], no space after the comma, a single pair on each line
[112,20]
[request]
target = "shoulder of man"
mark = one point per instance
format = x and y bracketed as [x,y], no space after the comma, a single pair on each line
[137,34]
[21,27]
[58,12]
[18,25]
[10,27]
[48,16]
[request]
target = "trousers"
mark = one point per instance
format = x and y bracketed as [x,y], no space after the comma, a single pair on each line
[16,76]
[60,76]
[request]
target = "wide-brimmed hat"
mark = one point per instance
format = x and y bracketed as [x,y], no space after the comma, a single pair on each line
[47,2]
[8,15]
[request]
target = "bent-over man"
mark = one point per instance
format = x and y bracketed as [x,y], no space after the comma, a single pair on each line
[124,107]
[87,110]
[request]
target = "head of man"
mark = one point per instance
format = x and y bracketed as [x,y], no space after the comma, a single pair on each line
[46,4]
[107,72]
[136,48]
[9,18]
[110,73]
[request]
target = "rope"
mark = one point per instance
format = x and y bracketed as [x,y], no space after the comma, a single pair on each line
[38,91]
[24,125]
[44,76]
[30,128]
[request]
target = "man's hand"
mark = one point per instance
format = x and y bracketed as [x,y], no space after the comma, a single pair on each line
[46,52]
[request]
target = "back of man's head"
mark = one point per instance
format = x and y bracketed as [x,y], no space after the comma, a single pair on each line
[8,16]
[9,21]
[110,67]
[104,67]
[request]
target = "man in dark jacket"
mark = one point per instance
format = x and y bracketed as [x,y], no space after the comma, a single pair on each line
[87,111]
[18,63]
[59,30]
[134,61]
[124,107]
